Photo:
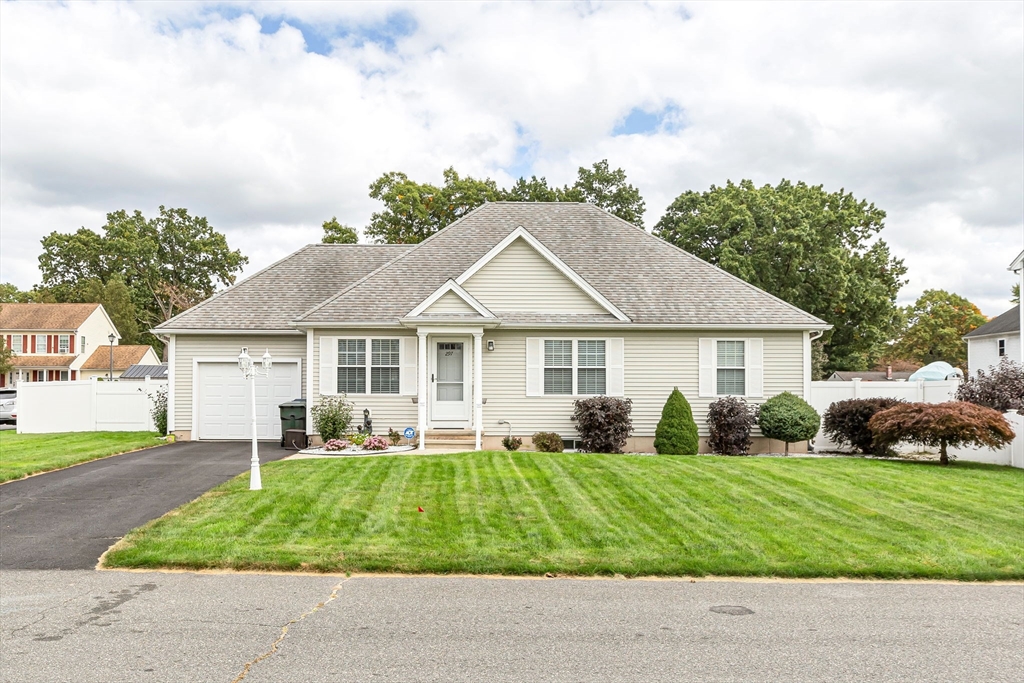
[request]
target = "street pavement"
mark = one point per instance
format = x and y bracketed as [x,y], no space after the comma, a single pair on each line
[68,518]
[112,626]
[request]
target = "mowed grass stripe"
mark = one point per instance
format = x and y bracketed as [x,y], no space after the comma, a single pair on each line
[584,514]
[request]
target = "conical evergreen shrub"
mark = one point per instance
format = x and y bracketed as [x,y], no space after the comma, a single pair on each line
[677,432]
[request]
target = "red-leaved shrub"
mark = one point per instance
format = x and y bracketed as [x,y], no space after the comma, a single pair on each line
[954,423]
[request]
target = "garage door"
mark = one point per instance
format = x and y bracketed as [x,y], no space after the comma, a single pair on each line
[225,406]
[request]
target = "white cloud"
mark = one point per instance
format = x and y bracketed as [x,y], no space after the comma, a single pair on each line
[915,107]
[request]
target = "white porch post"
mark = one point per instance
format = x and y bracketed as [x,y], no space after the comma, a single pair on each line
[478,385]
[421,390]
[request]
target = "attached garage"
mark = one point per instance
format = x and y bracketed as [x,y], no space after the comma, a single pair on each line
[223,407]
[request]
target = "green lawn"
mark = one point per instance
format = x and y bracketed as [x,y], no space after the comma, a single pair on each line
[24,454]
[531,513]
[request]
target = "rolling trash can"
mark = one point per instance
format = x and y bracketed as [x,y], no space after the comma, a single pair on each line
[293,418]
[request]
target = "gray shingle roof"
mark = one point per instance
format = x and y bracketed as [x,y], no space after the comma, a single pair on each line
[273,297]
[648,279]
[1001,324]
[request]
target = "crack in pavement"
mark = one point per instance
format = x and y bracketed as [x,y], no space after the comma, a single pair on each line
[284,631]
[106,607]
[42,615]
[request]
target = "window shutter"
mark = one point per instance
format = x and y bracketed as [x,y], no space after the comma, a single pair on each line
[755,367]
[534,366]
[9,342]
[407,359]
[706,361]
[71,344]
[33,343]
[49,343]
[328,366]
[615,367]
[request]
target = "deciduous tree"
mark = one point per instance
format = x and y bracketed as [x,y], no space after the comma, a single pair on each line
[817,250]
[955,423]
[117,301]
[935,326]
[336,233]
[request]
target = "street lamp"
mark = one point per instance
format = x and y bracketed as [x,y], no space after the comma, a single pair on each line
[250,371]
[111,338]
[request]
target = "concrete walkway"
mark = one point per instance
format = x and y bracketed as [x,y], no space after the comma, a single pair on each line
[67,519]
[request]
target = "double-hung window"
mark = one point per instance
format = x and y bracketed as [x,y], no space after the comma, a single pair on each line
[40,343]
[1002,347]
[384,366]
[730,368]
[575,371]
[381,366]
[16,343]
[351,366]
[63,343]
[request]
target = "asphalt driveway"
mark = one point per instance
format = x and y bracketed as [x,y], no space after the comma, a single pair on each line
[67,519]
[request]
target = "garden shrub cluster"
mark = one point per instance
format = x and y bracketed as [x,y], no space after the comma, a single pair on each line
[955,423]
[331,417]
[511,443]
[159,410]
[730,420]
[376,443]
[548,442]
[676,433]
[846,423]
[603,423]
[787,417]
[1002,388]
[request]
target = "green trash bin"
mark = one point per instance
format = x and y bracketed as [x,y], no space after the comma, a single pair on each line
[293,416]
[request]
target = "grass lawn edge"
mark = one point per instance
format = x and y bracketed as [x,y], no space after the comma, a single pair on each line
[84,462]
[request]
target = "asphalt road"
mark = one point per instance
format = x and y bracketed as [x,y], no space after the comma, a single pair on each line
[67,519]
[113,627]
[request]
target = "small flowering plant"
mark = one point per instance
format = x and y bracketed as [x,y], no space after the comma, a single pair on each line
[335,445]
[376,443]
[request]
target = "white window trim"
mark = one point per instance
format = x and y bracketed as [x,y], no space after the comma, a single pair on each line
[64,341]
[16,343]
[1000,348]
[40,338]
[575,365]
[368,360]
[745,368]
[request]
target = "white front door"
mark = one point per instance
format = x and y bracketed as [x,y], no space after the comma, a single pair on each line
[449,382]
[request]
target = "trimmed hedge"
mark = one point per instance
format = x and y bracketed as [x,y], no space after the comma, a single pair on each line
[846,423]
[676,433]
[548,442]
[788,418]
[603,423]
[730,420]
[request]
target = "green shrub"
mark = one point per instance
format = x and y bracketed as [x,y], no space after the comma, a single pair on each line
[331,417]
[511,443]
[603,423]
[676,433]
[846,422]
[159,410]
[730,420]
[788,418]
[548,442]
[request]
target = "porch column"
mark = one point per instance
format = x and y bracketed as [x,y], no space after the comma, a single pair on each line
[478,385]
[421,390]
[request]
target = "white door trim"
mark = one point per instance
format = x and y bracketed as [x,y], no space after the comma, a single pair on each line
[467,402]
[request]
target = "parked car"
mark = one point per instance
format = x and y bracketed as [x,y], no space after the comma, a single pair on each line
[8,405]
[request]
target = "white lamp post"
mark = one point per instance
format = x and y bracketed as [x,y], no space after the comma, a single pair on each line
[249,371]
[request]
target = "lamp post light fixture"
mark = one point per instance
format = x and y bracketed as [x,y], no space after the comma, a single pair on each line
[250,371]
[111,338]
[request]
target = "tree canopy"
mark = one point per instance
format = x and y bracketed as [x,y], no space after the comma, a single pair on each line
[934,328]
[814,249]
[414,211]
[168,263]
[336,233]
[117,301]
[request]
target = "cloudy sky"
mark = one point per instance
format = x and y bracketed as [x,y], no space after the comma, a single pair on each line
[270,117]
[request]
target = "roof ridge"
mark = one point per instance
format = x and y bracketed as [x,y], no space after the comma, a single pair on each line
[712,265]
[385,265]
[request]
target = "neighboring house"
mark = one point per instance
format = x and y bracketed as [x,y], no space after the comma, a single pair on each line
[144,371]
[496,323]
[869,376]
[998,338]
[124,356]
[51,341]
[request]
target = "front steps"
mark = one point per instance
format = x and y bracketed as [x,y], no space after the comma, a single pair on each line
[452,438]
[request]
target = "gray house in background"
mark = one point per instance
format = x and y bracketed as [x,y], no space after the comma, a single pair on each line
[1000,337]
[495,324]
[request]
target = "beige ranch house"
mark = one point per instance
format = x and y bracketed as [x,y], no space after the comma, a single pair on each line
[493,325]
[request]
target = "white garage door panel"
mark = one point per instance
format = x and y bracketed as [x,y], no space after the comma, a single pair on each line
[224,402]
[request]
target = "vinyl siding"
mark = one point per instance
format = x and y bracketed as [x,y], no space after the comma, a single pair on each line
[521,280]
[655,362]
[188,347]
[983,353]
[388,410]
[450,303]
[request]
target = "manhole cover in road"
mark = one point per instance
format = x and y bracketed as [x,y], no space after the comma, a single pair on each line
[734,610]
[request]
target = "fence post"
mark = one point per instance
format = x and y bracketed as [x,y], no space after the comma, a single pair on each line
[856,387]
[94,390]
[920,391]
[149,413]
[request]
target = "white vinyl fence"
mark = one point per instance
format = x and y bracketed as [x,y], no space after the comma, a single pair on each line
[87,406]
[824,394]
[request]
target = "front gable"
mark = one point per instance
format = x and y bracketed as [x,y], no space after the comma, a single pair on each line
[521,276]
[450,300]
